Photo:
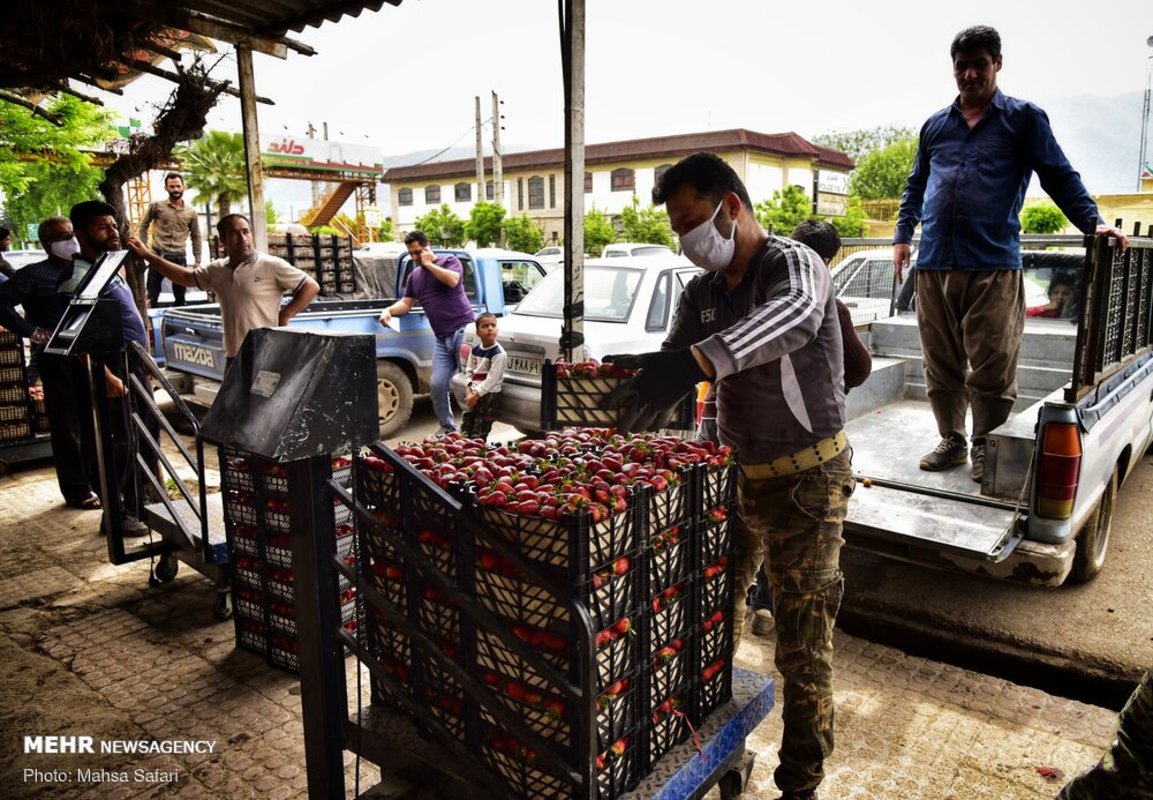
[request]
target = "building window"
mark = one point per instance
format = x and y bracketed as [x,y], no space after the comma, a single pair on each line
[552,191]
[404,197]
[463,192]
[520,194]
[488,191]
[624,180]
[536,192]
[431,195]
[659,173]
[588,181]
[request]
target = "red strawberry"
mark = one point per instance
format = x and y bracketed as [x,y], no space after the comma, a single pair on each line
[621,565]
[554,707]
[712,669]
[622,627]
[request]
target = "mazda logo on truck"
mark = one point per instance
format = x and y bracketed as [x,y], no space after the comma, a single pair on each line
[192,354]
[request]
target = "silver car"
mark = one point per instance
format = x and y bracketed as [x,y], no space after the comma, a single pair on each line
[629,303]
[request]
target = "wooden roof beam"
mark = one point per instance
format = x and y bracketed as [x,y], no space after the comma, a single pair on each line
[213,28]
[144,66]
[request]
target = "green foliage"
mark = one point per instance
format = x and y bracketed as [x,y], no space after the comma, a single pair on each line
[1042,218]
[215,168]
[854,223]
[787,208]
[881,175]
[385,233]
[325,230]
[43,169]
[483,224]
[858,144]
[442,226]
[271,215]
[522,234]
[645,225]
[599,231]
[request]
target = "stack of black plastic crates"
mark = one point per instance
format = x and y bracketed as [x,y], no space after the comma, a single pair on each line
[16,417]
[258,515]
[646,577]
[334,269]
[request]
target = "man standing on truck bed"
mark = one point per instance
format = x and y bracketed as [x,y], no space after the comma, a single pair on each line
[435,284]
[172,222]
[973,164]
[762,323]
[249,285]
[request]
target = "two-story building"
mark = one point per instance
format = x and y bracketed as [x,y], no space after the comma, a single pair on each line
[615,172]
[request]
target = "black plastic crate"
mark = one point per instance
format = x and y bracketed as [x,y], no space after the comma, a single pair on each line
[522,601]
[519,766]
[716,488]
[575,543]
[249,572]
[251,635]
[715,687]
[668,555]
[15,431]
[10,356]
[618,768]
[714,536]
[668,722]
[14,412]
[15,393]
[671,666]
[574,400]
[671,507]
[671,616]
[716,588]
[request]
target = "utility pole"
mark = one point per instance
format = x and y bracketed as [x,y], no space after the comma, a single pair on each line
[573,68]
[247,82]
[315,184]
[479,155]
[497,167]
[1142,160]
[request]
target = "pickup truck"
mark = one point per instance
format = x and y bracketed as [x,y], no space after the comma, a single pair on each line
[191,337]
[1083,419]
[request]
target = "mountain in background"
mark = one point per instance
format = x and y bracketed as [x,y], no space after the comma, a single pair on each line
[1100,136]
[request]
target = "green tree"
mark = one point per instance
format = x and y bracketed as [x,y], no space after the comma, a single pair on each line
[215,168]
[522,234]
[854,223]
[271,215]
[44,170]
[599,231]
[1042,218]
[782,213]
[646,225]
[483,224]
[442,226]
[858,144]
[881,174]
[385,233]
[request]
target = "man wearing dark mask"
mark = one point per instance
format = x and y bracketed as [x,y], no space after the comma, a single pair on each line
[172,222]
[66,397]
[762,324]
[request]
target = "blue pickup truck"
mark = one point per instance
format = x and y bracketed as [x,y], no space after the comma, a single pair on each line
[191,337]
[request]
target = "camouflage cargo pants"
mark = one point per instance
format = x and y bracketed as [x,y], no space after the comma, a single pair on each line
[795,523]
[1126,770]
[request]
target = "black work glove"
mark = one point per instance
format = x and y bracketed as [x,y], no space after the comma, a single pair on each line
[648,400]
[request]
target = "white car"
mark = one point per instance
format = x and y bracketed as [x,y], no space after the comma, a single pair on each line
[629,303]
[550,257]
[625,249]
[22,258]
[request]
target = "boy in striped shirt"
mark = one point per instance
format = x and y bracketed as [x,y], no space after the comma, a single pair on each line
[485,370]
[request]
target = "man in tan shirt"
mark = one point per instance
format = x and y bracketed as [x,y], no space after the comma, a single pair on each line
[248,284]
[172,223]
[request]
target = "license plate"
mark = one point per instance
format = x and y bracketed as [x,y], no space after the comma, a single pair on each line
[524,364]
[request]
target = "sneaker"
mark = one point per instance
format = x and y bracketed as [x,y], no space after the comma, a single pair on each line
[951,452]
[763,622]
[977,457]
[133,526]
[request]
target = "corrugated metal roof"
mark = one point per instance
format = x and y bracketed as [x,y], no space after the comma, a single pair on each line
[672,147]
[55,40]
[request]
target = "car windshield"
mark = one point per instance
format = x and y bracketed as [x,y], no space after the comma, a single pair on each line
[609,294]
[655,250]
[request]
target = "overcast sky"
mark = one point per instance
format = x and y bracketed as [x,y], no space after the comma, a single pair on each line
[404,78]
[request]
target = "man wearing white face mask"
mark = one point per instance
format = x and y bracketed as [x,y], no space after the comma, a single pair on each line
[66,395]
[762,324]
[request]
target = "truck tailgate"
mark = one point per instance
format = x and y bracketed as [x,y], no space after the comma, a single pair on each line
[898,505]
[896,515]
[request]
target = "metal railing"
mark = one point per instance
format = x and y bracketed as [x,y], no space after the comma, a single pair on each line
[1116,321]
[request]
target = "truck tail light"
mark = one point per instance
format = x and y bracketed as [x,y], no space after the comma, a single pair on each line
[1058,470]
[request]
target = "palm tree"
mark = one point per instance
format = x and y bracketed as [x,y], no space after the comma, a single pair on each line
[214,167]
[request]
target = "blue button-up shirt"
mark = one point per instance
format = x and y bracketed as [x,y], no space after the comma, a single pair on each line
[968,184]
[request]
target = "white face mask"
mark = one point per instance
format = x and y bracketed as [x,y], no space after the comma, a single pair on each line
[66,249]
[705,247]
